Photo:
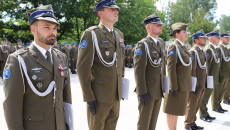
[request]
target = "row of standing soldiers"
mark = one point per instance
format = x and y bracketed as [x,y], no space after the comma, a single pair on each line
[129,53]
[71,53]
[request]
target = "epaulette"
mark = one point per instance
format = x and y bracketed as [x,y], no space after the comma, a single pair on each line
[120,32]
[142,40]
[21,51]
[161,40]
[58,52]
[92,28]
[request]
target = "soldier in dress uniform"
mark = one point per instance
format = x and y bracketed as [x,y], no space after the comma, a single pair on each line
[148,74]
[213,69]
[19,46]
[73,58]
[130,56]
[65,49]
[126,56]
[198,73]
[76,49]
[36,80]
[4,52]
[226,96]
[100,67]
[179,73]
[224,69]
[56,45]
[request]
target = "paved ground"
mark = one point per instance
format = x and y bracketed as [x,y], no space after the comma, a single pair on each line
[128,111]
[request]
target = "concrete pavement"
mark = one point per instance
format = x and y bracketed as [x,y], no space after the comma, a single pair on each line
[128,111]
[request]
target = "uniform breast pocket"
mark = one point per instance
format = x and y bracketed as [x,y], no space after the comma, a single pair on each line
[107,50]
[39,80]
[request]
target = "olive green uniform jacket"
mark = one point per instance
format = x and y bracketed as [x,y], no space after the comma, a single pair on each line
[99,82]
[25,110]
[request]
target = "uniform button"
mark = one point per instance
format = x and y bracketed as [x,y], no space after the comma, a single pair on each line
[30,119]
[57,110]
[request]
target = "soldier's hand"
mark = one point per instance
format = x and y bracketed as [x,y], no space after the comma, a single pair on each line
[197,89]
[144,99]
[92,106]
[174,93]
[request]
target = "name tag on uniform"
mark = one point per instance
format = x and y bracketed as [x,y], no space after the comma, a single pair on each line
[105,41]
[154,51]
[36,70]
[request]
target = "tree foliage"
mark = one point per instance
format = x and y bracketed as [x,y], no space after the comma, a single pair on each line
[77,15]
[199,14]
[224,23]
[74,17]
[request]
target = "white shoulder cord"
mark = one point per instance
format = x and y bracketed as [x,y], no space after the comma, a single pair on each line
[223,55]
[6,51]
[42,94]
[181,59]
[149,57]
[198,60]
[95,42]
[213,54]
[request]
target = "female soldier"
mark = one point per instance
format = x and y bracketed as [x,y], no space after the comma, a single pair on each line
[179,73]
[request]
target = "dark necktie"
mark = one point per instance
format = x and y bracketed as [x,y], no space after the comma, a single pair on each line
[113,35]
[49,58]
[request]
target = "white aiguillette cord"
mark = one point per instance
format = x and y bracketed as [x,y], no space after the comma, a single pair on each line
[223,55]
[181,59]
[149,57]
[6,51]
[95,45]
[217,61]
[198,59]
[42,94]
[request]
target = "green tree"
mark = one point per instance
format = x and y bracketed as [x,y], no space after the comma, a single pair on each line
[224,23]
[74,17]
[200,21]
[199,14]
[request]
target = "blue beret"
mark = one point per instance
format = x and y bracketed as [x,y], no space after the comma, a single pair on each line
[72,43]
[65,42]
[77,45]
[106,4]
[27,43]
